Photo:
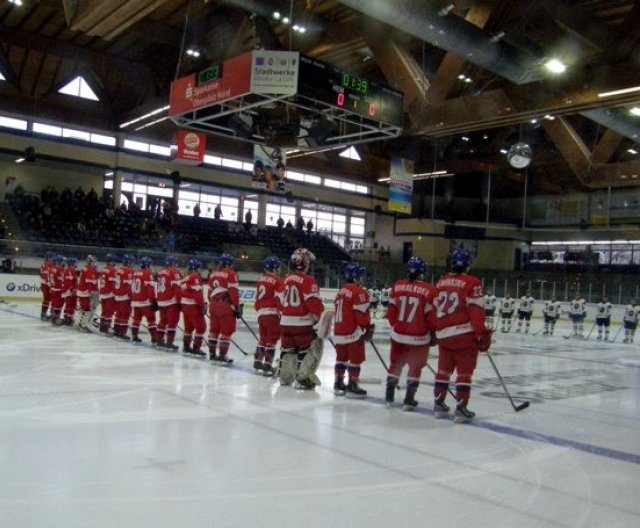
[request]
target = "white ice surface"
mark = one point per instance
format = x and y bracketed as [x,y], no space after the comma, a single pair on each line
[98,433]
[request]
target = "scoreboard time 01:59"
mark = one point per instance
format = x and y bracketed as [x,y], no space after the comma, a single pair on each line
[330,85]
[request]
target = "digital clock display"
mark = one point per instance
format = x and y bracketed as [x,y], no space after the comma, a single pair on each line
[323,82]
[213,73]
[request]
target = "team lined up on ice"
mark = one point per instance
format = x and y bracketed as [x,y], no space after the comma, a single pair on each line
[290,310]
[552,310]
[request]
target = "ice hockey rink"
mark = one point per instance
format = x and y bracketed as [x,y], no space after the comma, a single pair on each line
[99,433]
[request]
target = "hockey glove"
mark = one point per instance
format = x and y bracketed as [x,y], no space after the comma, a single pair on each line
[368,333]
[239,311]
[434,340]
[484,340]
[154,305]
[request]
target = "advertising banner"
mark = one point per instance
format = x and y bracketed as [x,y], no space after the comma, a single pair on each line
[400,185]
[19,286]
[190,147]
[196,91]
[269,168]
[275,72]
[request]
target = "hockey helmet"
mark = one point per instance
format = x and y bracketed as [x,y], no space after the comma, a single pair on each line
[225,260]
[416,266]
[301,259]
[461,258]
[49,255]
[354,270]
[170,260]
[110,258]
[57,259]
[271,263]
[71,261]
[194,264]
[145,262]
[128,259]
[91,260]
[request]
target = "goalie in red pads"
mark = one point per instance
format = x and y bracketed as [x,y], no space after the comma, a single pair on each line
[301,308]
[461,334]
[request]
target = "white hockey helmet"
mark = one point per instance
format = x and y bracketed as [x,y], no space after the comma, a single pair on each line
[301,259]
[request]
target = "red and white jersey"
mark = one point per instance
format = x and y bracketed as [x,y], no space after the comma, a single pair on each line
[168,286]
[191,289]
[459,306]
[122,283]
[70,280]
[106,281]
[411,312]
[56,278]
[301,302]
[44,271]
[87,281]
[143,288]
[223,286]
[351,315]
[268,292]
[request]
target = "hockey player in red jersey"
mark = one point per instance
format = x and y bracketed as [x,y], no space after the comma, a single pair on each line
[168,295]
[194,309]
[301,308]
[56,288]
[70,293]
[143,301]
[45,268]
[352,327]
[411,315]
[87,289]
[224,308]
[268,291]
[122,282]
[105,288]
[461,334]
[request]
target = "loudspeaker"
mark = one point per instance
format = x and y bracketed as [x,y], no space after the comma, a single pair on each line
[175,176]
[289,196]
[30,154]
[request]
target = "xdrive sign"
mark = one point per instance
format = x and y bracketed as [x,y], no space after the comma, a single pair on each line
[22,286]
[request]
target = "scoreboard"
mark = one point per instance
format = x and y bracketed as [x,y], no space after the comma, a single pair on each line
[322,82]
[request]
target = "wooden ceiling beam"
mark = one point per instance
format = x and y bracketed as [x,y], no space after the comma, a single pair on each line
[608,144]
[570,146]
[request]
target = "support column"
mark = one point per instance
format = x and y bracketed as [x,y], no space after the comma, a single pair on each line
[117,188]
[262,211]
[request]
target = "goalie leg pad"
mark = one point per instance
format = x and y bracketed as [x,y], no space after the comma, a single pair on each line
[310,361]
[288,366]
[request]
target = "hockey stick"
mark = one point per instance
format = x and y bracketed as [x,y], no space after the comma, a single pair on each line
[375,348]
[516,408]
[538,331]
[617,333]
[250,329]
[239,347]
[592,327]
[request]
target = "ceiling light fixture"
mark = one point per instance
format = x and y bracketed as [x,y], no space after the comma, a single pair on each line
[16,2]
[555,66]
[622,91]
[632,151]
[446,9]
[145,116]
[277,15]
[635,111]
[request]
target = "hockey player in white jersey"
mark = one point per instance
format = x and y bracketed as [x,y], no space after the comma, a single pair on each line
[489,304]
[385,297]
[374,301]
[525,310]
[577,314]
[507,306]
[603,318]
[630,321]
[551,314]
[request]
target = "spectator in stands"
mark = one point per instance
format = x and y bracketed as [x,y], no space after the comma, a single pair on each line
[82,228]
[196,210]
[300,224]
[309,227]
[78,195]
[289,225]
[247,219]
[280,222]
[217,212]
[166,209]
[123,207]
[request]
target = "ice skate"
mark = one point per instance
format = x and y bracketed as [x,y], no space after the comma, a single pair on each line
[305,385]
[355,392]
[409,404]
[440,409]
[339,388]
[462,414]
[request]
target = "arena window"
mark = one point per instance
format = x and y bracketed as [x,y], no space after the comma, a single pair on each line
[10,122]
